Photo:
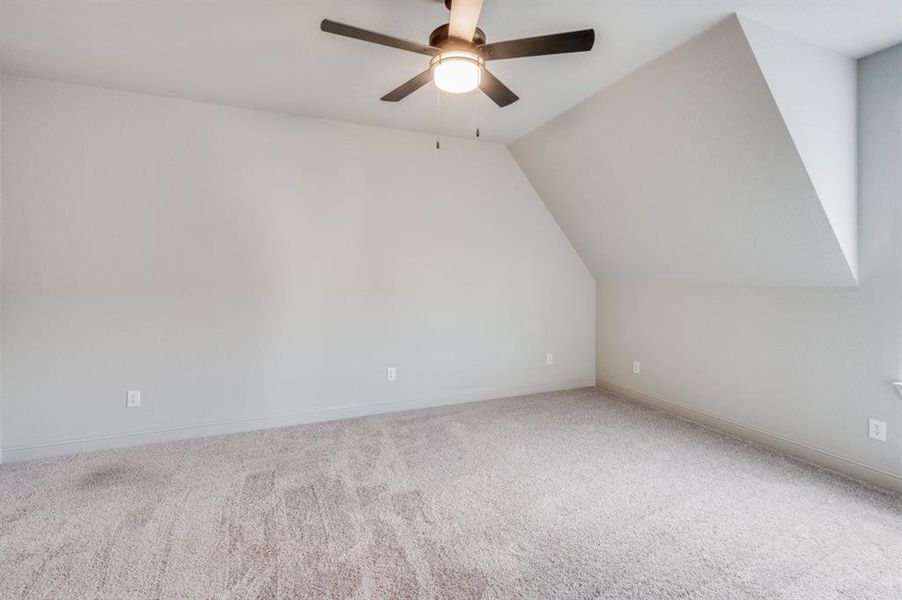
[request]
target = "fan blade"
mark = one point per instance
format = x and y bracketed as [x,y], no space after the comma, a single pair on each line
[408,87]
[556,43]
[375,38]
[464,17]
[497,91]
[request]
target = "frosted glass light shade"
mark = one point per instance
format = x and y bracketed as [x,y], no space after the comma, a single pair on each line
[456,72]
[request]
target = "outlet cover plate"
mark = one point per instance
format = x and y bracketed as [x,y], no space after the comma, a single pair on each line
[877,430]
[133,399]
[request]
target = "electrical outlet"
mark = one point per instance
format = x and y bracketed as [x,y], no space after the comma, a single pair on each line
[877,430]
[549,359]
[637,368]
[391,373]
[133,399]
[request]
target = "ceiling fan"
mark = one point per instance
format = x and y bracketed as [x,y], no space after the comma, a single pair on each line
[459,52]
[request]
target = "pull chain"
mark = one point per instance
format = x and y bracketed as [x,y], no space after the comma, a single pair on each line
[476,95]
[438,118]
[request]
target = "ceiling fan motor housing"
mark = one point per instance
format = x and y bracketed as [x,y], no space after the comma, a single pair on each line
[439,38]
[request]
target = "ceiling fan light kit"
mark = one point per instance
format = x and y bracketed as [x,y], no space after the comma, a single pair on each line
[457,72]
[459,53]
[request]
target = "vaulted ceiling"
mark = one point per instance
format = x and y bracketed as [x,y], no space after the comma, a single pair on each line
[731,159]
[272,56]
[689,144]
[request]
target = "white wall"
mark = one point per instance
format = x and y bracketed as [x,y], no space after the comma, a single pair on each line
[247,269]
[806,365]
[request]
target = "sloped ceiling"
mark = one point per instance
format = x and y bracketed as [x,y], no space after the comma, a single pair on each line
[271,54]
[688,169]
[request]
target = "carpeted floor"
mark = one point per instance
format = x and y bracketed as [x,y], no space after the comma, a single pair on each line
[565,495]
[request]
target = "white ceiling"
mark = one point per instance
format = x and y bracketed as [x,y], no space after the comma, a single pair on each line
[272,55]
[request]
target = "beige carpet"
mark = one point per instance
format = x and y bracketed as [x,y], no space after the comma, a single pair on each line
[566,495]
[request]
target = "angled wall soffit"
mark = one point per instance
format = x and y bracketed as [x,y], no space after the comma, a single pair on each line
[714,163]
[816,92]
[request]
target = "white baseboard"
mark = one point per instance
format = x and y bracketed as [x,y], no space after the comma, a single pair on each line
[169,434]
[802,450]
